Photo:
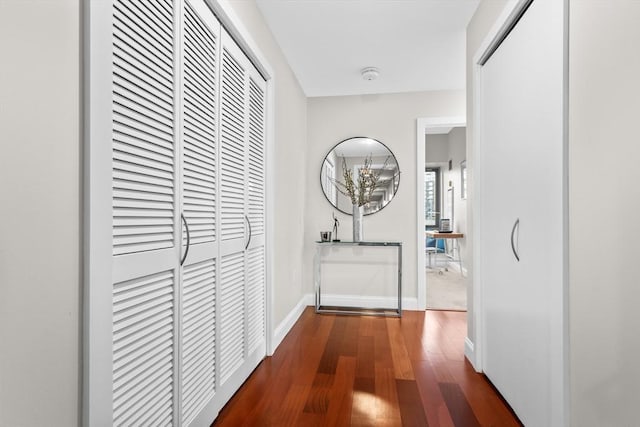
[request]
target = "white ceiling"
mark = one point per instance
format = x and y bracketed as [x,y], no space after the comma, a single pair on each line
[416,44]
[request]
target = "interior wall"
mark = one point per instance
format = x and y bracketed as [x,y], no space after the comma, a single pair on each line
[481,23]
[604,101]
[391,119]
[457,144]
[436,148]
[289,165]
[40,215]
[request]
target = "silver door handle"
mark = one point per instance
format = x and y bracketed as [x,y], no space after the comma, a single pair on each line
[249,224]
[184,256]
[513,232]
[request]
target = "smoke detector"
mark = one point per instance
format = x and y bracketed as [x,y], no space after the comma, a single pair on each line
[370,73]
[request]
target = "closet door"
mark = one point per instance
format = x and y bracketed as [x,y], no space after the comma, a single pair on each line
[145,216]
[200,45]
[176,203]
[522,262]
[241,291]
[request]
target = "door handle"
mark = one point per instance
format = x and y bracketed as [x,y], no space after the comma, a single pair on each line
[249,224]
[516,225]
[186,226]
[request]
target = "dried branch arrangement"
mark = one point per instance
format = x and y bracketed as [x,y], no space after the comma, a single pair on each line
[360,189]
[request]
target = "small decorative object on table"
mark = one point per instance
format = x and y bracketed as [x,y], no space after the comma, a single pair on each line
[325,236]
[336,223]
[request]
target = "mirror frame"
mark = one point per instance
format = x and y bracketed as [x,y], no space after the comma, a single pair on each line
[333,148]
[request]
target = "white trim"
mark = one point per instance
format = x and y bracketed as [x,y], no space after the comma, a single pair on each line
[422,125]
[469,352]
[236,29]
[478,184]
[97,220]
[287,323]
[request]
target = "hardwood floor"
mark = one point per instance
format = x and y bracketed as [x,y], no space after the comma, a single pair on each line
[369,371]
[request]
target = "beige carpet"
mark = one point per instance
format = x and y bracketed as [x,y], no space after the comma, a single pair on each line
[446,291]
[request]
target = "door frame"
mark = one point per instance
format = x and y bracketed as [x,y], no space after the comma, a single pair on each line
[475,347]
[423,125]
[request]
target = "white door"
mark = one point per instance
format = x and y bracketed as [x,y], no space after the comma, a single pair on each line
[522,192]
[242,342]
[200,42]
[175,302]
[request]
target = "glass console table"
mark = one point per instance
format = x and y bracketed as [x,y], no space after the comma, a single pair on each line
[319,260]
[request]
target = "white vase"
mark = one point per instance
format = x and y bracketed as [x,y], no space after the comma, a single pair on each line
[357,223]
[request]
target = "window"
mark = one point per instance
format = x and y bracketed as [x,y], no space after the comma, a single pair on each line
[432,197]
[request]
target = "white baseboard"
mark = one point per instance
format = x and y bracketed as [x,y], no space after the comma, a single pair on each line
[470,353]
[368,302]
[285,326]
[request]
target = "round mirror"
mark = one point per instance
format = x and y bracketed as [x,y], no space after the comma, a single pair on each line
[360,171]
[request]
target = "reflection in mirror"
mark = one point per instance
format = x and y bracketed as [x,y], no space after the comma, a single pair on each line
[360,157]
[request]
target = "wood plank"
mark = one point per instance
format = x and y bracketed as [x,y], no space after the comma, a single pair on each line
[365,371]
[401,361]
[341,393]
[411,409]
[459,408]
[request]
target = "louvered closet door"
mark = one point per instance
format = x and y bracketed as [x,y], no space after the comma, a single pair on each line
[199,127]
[176,305]
[241,290]
[146,227]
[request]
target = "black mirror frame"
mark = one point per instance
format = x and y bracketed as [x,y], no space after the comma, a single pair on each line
[333,148]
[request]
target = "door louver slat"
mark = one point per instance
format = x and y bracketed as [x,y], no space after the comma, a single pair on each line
[232,179]
[255,297]
[143,126]
[199,141]
[256,190]
[143,350]
[198,331]
[232,338]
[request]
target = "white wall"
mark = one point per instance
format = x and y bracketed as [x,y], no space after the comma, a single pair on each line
[604,201]
[39,213]
[289,166]
[481,22]
[391,119]
[436,148]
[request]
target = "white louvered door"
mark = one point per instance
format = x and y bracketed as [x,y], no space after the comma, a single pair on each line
[200,51]
[241,327]
[146,227]
[180,321]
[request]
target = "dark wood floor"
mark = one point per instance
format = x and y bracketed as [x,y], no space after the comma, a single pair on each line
[369,371]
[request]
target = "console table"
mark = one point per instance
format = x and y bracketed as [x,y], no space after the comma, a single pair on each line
[379,311]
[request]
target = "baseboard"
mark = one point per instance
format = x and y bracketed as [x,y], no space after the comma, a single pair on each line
[470,353]
[367,301]
[287,323]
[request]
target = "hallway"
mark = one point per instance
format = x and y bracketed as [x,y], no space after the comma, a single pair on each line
[369,371]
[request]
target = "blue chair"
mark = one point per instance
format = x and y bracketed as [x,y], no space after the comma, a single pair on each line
[433,247]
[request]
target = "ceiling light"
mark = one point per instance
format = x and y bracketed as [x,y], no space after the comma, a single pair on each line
[370,73]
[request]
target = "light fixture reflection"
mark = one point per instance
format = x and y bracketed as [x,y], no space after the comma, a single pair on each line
[369,406]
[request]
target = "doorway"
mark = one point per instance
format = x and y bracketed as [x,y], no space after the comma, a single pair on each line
[424,127]
[445,211]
